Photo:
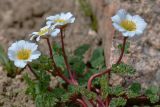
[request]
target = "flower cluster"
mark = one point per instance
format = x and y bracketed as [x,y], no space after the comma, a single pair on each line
[22,52]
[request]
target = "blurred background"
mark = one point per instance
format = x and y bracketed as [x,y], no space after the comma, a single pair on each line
[19,18]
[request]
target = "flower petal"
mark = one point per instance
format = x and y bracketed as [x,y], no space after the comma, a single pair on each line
[20,64]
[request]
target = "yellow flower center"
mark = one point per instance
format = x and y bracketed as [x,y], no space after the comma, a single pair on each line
[23,54]
[60,21]
[43,31]
[128,25]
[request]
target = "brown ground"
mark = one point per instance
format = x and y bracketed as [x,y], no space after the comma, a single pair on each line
[18,18]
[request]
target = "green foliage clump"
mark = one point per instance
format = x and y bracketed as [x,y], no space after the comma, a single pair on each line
[123,69]
[153,94]
[118,102]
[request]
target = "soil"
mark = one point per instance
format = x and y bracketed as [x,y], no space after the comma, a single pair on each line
[18,18]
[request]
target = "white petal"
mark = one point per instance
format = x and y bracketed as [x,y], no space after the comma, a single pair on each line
[50,18]
[119,28]
[49,23]
[72,20]
[122,14]
[55,32]
[20,64]
[139,32]
[116,19]
[35,55]
[129,17]
[128,34]
[11,55]
[38,38]
[68,15]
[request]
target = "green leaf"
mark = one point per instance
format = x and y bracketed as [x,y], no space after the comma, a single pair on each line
[80,51]
[88,94]
[118,102]
[126,50]
[77,65]
[152,94]
[66,97]
[135,87]
[31,86]
[97,59]
[43,63]
[104,86]
[117,90]
[58,92]
[57,49]
[84,79]
[59,60]
[134,90]
[123,69]
[46,100]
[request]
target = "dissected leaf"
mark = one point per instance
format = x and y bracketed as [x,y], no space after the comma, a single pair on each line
[152,94]
[117,90]
[80,51]
[134,90]
[104,86]
[118,102]
[123,69]
[77,65]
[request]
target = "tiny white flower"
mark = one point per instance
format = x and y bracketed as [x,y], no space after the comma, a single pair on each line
[45,31]
[60,19]
[22,52]
[127,24]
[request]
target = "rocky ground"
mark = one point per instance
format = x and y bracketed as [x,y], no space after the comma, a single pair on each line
[18,18]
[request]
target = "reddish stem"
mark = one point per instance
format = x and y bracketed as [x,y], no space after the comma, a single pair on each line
[65,59]
[100,102]
[54,64]
[122,51]
[51,53]
[82,102]
[107,101]
[95,76]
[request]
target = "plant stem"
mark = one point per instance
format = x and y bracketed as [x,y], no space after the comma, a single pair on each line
[82,102]
[51,53]
[30,68]
[100,102]
[95,76]
[65,59]
[107,101]
[54,64]
[122,51]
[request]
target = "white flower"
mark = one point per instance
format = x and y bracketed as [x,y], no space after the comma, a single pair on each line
[127,24]
[45,31]
[22,52]
[60,19]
